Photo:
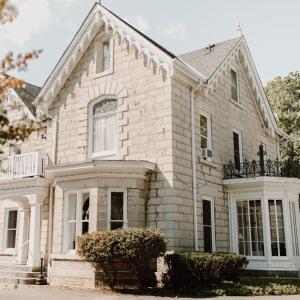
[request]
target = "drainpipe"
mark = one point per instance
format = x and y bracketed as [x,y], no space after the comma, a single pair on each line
[54,149]
[194,171]
[50,228]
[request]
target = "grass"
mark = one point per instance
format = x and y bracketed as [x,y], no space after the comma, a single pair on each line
[246,286]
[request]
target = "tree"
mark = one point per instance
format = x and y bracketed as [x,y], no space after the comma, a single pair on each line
[10,131]
[284,96]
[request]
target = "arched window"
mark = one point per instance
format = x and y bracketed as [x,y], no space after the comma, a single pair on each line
[104,128]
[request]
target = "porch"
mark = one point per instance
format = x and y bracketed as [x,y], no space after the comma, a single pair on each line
[21,207]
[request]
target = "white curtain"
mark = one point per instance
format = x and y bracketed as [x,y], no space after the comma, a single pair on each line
[105,133]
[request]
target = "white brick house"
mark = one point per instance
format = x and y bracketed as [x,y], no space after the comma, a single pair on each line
[139,137]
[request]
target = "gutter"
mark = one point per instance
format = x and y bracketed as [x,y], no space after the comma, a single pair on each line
[194,171]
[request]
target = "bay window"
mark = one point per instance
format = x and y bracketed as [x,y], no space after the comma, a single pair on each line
[250,228]
[77,206]
[103,128]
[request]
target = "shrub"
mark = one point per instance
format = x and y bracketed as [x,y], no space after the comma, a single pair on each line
[104,249]
[195,268]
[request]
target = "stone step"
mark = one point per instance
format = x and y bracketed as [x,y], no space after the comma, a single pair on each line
[19,267]
[19,274]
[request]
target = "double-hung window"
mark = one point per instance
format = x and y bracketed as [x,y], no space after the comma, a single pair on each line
[77,205]
[103,128]
[250,228]
[234,86]
[117,209]
[277,228]
[11,228]
[206,136]
[104,55]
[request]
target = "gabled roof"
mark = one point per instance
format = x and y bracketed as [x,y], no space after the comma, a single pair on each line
[28,94]
[207,60]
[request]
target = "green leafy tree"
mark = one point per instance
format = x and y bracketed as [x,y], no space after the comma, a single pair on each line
[10,131]
[284,96]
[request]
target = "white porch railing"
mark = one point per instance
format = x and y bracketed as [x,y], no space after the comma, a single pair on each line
[22,165]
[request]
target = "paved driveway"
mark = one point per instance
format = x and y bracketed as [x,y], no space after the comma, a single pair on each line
[47,293]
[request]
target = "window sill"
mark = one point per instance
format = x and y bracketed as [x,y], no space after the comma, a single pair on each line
[208,163]
[99,156]
[238,104]
[102,74]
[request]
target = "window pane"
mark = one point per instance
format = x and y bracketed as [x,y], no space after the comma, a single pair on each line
[116,225]
[12,219]
[72,207]
[85,206]
[85,227]
[236,150]
[206,212]
[117,206]
[11,239]
[234,86]
[72,235]
[207,231]
[106,56]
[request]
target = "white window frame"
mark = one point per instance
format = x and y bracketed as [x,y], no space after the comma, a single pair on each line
[213,223]
[235,227]
[239,132]
[7,210]
[209,128]
[78,218]
[238,86]
[125,207]
[91,153]
[100,40]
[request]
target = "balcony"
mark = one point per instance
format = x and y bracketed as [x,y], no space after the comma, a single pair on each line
[21,166]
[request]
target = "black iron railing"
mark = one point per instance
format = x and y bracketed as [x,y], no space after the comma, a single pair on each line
[256,168]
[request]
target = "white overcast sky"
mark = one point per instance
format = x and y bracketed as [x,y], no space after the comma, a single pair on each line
[271,27]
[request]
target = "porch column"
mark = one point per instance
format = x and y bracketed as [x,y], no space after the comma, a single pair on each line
[23,229]
[34,249]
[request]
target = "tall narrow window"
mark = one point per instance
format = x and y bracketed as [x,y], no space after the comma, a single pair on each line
[250,228]
[237,149]
[234,86]
[117,210]
[208,225]
[11,229]
[277,231]
[104,128]
[76,217]
[205,135]
[106,56]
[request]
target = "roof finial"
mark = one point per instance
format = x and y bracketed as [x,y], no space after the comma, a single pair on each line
[239,30]
[99,2]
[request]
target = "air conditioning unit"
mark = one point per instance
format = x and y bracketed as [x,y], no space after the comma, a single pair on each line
[207,154]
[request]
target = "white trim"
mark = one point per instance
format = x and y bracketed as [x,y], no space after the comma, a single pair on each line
[239,132]
[213,221]
[78,221]
[125,207]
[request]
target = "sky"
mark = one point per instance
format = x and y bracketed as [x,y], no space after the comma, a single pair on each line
[271,28]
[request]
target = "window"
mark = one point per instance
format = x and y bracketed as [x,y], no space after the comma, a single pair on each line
[208,225]
[103,135]
[11,229]
[277,231]
[205,135]
[77,206]
[104,55]
[117,210]
[250,228]
[237,149]
[234,86]
[294,228]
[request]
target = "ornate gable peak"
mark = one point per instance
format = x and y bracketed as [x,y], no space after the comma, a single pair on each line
[135,41]
[240,54]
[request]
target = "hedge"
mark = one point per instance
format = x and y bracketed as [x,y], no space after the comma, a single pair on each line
[137,247]
[195,268]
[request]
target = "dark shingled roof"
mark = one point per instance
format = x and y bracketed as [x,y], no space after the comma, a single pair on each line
[28,95]
[206,61]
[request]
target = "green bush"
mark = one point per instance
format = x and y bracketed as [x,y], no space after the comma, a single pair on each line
[195,268]
[137,247]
